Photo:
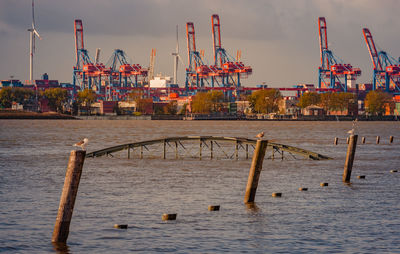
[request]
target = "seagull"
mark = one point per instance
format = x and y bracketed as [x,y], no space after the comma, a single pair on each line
[82,144]
[260,135]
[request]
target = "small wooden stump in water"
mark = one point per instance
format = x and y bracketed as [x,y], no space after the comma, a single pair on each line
[169,216]
[377,139]
[323,184]
[121,226]
[213,208]
[394,171]
[277,194]
[363,140]
[303,189]
[391,139]
[336,141]
[361,177]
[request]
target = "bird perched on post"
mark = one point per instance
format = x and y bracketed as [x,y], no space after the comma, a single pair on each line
[82,144]
[260,135]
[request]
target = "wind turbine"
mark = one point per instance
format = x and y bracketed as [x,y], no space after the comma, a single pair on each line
[33,34]
[177,58]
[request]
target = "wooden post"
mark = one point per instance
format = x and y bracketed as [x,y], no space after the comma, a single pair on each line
[141,151]
[273,153]
[237,150]
[377,139]
[255,170]
[347,140]
[247,151]
[165,149]
[351,150]
[176,150]
[211,150]
[68,196]
[336,141]
[200,144]
[391,139]
[363,140]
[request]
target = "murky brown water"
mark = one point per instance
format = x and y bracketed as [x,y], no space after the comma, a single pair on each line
[363,217]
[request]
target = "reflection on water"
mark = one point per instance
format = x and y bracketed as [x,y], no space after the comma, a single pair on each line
[361,217]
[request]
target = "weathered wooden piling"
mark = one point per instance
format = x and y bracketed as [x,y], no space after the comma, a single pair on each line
[363,140]
[303,189]
[68,196]
[121,226]
[255,170]
[391,139]
[277,194]
[169,216]
[351,151]
[336,141]
[377,139]
[347,140]
[213,208]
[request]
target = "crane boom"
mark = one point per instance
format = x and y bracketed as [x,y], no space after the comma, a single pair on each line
[216,34]
[78,39]
[372,49]
[323,42]
[190,36]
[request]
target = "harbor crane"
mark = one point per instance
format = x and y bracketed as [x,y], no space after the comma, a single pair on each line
[386,72]
[333,70]
[197,71]
[224,61]
[86,73]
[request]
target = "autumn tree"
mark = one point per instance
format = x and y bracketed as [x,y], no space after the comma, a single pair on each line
[56,98]
[308,99]
[216,99]
[20,95]
[376,102]
[86,98]
[265,100]
[6,97]
[171,108]
[201,103]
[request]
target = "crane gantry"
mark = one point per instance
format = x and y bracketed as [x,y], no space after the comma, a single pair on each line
[332,70]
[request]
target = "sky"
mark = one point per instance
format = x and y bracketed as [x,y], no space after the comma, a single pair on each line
[278,39]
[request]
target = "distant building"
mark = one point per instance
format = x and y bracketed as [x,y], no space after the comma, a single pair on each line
[313,111]
[11,83]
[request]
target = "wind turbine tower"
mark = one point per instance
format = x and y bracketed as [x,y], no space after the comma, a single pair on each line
[33,34]
[177,58]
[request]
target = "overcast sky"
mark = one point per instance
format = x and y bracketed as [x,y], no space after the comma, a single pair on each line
[279,39]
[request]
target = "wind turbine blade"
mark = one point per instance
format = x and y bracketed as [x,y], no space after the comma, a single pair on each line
[180,60]
[177,41]
[33,15]
[37,34]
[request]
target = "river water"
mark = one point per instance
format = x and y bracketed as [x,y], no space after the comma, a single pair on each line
[362,217]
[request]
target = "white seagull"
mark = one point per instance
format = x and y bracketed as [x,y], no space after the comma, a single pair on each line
[82,144]
[260,135]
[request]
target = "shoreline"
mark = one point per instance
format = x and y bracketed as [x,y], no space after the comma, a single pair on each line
[56,116]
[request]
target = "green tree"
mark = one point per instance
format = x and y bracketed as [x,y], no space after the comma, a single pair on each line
[265,100]
[6,97]
[376,102]
[56,97]
[86,98]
